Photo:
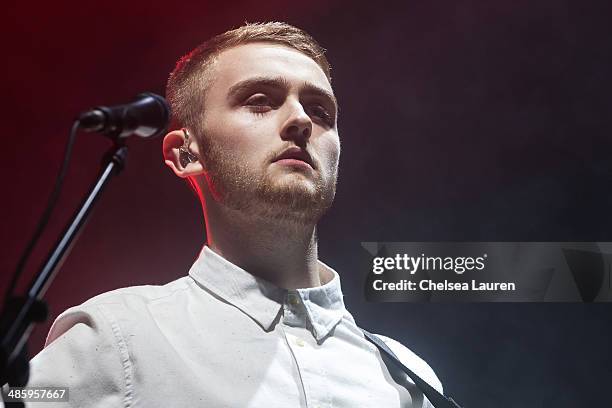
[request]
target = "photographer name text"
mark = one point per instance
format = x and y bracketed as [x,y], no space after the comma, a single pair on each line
[429,285]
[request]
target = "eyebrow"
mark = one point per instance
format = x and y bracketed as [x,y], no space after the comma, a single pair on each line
[282,83]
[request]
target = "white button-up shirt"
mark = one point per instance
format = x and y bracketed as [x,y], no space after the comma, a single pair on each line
[222,337]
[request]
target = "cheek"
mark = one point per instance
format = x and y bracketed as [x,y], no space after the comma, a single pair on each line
[330,149]
[241,142]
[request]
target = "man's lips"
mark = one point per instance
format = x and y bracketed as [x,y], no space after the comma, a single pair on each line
[293,154]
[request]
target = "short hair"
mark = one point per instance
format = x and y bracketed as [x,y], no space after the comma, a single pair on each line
[187,83]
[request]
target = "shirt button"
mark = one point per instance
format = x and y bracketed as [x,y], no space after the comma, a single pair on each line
[299,342]
[293,299]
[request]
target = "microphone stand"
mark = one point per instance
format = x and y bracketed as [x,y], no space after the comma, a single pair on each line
[20,314]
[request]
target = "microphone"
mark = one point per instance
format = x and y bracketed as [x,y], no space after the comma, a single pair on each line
[147,116]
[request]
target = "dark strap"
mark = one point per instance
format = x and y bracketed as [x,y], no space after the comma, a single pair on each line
[437,400]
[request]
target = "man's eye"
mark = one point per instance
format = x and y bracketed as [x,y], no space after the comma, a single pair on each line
[321,113]
[259,100]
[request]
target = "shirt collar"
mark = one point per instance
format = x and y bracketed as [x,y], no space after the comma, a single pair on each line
[262,300]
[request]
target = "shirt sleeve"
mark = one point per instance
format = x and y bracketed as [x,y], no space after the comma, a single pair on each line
[86,352]
[416,364]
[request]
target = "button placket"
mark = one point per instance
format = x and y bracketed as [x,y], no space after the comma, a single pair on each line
[312,373]
[294,310]
[293,299]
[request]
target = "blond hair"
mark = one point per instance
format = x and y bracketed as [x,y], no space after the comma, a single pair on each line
[187,83]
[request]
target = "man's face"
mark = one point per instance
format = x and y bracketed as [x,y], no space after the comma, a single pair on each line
[269,133]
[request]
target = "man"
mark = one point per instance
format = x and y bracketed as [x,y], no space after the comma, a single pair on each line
[259,321]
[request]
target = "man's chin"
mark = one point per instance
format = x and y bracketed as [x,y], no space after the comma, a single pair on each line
[290,197]
[293,184]
[300,201]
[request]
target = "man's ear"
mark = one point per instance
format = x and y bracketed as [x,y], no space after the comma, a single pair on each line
[173,141]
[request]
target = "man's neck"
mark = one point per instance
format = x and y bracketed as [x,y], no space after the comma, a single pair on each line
[279,251]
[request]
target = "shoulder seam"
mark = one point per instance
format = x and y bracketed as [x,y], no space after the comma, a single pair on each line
[106,298]
[126,362]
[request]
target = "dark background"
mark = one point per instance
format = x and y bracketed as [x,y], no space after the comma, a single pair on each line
[460,120]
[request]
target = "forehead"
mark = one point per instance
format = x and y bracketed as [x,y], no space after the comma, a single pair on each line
[265,60]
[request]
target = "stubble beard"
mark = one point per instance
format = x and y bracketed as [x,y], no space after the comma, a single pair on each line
[286,198]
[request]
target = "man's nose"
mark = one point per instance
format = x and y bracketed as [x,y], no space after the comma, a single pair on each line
[298,126]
